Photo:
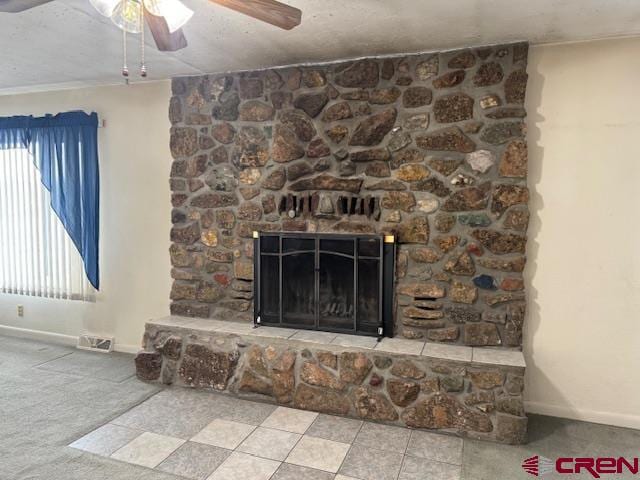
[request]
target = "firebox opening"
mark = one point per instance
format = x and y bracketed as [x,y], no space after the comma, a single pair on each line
[327,282]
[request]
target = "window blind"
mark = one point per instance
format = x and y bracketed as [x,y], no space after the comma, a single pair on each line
[37,256]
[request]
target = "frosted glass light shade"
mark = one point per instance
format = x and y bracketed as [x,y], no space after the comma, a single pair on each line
[105,7]
[128,15]
[174,12]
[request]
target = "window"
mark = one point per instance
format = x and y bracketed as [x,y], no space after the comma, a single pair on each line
[37,256]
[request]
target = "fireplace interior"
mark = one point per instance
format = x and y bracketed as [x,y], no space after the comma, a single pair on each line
[334,283]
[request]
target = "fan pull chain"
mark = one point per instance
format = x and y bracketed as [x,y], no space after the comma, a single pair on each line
[125,68]
[143,65]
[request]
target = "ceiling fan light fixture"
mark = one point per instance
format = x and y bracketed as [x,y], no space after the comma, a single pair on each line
[128,15]
[105,7]
[175,13]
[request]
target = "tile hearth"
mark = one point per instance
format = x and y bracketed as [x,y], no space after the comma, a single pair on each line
[229,438]
[489,356]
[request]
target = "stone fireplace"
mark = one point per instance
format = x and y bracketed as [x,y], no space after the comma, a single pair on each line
[322,163]
[428,148]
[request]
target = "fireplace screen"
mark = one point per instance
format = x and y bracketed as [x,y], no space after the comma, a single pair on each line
[335,283]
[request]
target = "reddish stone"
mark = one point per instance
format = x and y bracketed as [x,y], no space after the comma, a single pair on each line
[256,111]
[475,249]
[402,393]
[450,79]
[314,374]
[318,148]
[373,406]
[354,367]
[285,145]
[464,59]
[512,284]
[443,411]
[376,380]
[222,279]
[337,111]
[223,132]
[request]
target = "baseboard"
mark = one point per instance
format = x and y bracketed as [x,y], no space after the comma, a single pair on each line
[606,418]
[58,338]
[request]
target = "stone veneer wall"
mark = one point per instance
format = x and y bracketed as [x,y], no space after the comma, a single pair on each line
[477,401]
[428,147]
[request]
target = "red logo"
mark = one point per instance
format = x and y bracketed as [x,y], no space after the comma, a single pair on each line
[596,467]
[537,465]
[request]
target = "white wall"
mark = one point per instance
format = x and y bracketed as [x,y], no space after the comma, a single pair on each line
[135,213]
[582,339]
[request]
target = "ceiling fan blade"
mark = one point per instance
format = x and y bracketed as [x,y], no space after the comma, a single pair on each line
[165,40]
[270,11]
[15,6]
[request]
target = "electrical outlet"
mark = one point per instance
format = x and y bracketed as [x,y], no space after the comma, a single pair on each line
[20,310]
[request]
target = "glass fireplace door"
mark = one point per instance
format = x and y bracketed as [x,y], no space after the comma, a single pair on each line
[336,285]
[299,282]
[324,282]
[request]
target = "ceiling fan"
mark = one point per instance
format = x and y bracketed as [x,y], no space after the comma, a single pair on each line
[165,18]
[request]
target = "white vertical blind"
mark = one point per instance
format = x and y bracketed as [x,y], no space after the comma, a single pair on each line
[37,256]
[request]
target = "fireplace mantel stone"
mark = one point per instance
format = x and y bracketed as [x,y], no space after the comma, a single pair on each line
[471,392]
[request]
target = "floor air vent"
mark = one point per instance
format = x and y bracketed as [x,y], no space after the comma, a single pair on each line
[95,343]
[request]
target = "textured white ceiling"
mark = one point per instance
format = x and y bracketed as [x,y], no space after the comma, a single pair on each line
[66,43]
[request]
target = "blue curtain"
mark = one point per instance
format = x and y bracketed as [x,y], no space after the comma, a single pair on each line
[65,151]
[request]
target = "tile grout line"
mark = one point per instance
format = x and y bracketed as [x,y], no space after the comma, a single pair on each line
[350,447]
[404,455]
[301,436]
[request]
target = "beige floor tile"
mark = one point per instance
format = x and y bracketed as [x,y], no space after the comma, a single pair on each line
[318,453]
[290,420]
[148,450]
[224,433]
[106,439]
[269,443]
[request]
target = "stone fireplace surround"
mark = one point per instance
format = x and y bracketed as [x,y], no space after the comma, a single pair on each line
[429,148]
